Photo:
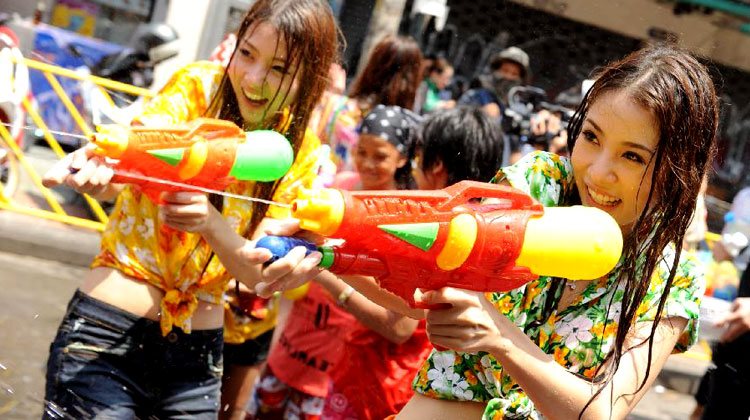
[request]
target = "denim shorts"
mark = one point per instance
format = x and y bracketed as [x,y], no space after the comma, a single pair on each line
[106,363]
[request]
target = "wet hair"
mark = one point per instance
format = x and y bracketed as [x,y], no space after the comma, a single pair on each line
[311,35]
[392,74]
[465,140]
[679,93]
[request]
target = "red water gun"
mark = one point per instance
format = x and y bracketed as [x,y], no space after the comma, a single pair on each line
[207,153]
[427,240]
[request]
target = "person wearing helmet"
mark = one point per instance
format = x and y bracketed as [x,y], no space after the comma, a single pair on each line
[511,63]
[508,68]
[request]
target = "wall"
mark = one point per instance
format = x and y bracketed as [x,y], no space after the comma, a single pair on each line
[635,18]
[190,23]
[25,8]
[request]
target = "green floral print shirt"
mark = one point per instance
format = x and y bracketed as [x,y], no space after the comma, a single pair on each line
[580,337]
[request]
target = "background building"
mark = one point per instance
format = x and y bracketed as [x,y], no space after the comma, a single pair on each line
[566,39]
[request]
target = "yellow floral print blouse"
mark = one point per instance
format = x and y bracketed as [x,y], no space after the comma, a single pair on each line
[181,263]
[580,337]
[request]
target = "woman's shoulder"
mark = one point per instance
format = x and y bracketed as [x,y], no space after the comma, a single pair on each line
[201,75]
[683,299]
[185,96]
[687,286]
[201,68]
[208,73]
[545,176]
[690,271]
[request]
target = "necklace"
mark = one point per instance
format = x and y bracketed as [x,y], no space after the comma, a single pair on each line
[571,285]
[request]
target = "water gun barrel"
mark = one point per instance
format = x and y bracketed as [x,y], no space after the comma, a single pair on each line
[264,156]
[206,152]
[576,243]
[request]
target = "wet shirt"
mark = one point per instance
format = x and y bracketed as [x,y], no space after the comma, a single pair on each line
[580,337]
[136,243]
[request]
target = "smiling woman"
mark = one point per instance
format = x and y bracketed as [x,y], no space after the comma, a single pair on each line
[614,157]
[143,336]
[263,79]
[642,140]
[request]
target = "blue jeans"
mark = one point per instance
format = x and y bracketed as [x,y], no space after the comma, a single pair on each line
[106,363]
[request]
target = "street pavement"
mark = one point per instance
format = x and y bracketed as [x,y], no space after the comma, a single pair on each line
[34,295]
[41,263]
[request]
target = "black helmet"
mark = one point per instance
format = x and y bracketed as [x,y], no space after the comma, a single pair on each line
[514,55]
[151,44]
[157,40]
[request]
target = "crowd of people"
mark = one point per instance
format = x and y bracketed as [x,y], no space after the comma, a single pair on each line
[181,316]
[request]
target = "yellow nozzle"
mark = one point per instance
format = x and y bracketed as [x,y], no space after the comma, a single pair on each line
[576,243]
[111,140]
[320,211]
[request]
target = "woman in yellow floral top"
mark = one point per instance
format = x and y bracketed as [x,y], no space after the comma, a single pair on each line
[142,337]
[642,140]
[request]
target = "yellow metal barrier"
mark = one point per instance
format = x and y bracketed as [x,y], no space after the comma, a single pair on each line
[57,212]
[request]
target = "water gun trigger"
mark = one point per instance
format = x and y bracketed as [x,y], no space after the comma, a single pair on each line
[206,153]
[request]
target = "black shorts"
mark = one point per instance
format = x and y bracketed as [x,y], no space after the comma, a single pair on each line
[250,353]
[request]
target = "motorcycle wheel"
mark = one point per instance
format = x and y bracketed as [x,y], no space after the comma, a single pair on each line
[10,173]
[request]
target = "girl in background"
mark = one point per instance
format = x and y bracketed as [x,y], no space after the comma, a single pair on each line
[438,76]
[333,331]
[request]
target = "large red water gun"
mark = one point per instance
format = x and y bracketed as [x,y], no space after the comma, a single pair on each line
[412,240]
[207,153]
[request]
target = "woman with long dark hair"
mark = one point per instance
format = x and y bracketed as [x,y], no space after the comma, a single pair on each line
[641,142]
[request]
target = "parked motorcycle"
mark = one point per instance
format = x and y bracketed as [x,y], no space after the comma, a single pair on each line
[151,44]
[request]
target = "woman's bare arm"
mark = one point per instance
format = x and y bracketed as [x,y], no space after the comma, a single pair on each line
[394,326]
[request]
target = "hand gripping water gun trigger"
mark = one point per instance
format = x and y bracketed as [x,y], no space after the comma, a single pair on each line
[208,153]
[433,239]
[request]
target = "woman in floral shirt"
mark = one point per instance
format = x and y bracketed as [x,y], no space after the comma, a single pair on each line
[641,140]
[143,336]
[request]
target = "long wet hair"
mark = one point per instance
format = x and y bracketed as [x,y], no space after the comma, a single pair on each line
[311,35]
[679,93]
[392,74]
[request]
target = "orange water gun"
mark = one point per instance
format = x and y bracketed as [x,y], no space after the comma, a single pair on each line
[427,240]
[207,153]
